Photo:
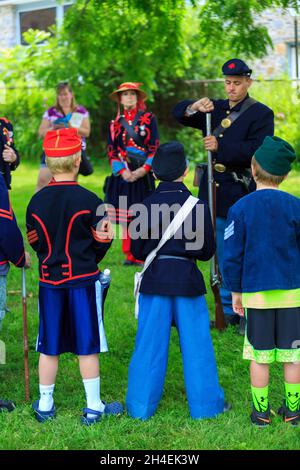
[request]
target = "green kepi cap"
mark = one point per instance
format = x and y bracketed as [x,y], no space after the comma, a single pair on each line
[275,156]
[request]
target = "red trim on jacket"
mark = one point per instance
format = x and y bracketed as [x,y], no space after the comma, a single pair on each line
[7,214]
[56,283]
[77,214]
[53,182]
[47,239]
[19,261]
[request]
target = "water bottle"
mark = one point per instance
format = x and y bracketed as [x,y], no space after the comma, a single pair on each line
[105,283]
[105,278]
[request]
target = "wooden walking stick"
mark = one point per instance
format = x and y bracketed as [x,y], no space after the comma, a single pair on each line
[25,337]
[215,275]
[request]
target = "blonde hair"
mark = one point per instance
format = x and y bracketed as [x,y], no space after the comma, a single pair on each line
[59,165]
[263,176]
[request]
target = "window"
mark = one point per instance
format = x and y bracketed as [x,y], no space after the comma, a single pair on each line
[39,15]
[37,19]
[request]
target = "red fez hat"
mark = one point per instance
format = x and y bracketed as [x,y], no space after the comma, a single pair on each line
[62,142]
[128,86]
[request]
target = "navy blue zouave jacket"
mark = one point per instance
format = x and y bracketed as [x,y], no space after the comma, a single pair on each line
[172,276]
[11,241]
[262,243]
[236,147]
[64,228]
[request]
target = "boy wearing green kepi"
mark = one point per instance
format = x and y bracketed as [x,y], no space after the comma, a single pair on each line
[261,268]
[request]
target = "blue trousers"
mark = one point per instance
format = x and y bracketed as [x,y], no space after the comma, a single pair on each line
[224,293]
[148,364]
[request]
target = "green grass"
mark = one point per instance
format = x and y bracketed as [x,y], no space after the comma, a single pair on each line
[171,427]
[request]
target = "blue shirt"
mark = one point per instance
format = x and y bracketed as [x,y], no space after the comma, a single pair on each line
[262,243]
[173,276]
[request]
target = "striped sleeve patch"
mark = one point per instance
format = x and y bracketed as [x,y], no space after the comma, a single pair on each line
[229,231]
[32,236]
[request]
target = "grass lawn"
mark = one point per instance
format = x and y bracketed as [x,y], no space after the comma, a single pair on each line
[171,427]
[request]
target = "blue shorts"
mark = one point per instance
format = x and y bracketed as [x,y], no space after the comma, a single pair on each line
[71,320]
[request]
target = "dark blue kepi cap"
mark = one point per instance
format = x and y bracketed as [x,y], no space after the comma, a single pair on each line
[169,162]
[236,67]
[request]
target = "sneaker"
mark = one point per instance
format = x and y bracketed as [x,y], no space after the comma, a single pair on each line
[115,408]
[42,416]
[288,416]
[261,418]
[7,405]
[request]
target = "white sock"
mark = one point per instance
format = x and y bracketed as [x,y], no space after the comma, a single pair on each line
[46,398]
[92,393]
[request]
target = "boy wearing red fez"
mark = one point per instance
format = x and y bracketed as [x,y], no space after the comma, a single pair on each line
[68,229]
[261,268]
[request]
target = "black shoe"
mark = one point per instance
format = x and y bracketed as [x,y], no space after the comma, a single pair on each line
[127,262]
[242,326]
[261,418]
[227,407]
[232,319]
[288,416]
[7,405]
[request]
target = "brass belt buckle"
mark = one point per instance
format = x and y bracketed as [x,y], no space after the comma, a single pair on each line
[219,167]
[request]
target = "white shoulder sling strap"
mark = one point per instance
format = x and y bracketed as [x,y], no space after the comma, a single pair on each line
[168,233]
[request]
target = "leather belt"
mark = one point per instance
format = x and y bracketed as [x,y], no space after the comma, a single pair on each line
[220,168]
[176,257]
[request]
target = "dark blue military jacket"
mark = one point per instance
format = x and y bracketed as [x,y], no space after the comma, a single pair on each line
[262,243]
[11,241]
[237,145]
[7,137]
[64,228]
[173,276]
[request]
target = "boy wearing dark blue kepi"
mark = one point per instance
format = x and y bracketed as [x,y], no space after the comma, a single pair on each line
[261,268]
[172,292]
[70,237]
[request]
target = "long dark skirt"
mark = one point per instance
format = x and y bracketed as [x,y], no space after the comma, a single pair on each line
[134,193]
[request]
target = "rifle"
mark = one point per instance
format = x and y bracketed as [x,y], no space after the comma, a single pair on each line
[215,275]
[25,337]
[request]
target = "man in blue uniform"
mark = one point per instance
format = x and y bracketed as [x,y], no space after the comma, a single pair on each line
[9,157]
[239,126]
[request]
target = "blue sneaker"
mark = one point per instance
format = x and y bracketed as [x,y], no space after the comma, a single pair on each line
[42,416]
[115,408]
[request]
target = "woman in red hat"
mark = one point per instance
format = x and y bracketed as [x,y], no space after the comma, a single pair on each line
[132,142]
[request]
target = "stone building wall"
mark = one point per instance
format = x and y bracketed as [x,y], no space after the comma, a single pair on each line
[280,27]
[7,26]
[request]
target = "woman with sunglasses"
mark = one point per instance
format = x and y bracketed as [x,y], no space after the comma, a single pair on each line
[65,113]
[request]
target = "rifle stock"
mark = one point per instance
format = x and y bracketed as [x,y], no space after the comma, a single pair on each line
[215,275]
